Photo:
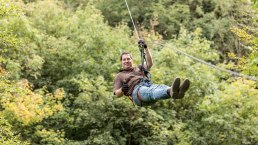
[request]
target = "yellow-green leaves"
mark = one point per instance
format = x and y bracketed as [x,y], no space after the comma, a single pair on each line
[230,110]
[19,103]
[50,136]
[7,8]
[7,135]
[243,35]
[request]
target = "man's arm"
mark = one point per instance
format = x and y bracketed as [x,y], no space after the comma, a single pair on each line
[148,58]
[149,61]
[119,92]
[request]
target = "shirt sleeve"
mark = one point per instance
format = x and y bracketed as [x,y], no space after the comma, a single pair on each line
[117,83]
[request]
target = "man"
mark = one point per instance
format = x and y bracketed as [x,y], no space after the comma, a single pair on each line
[131,81]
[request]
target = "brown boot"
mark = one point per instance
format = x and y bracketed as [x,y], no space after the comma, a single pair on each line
[174,90]
[183,88]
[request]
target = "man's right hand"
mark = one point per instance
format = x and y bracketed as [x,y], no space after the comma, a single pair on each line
[125,87]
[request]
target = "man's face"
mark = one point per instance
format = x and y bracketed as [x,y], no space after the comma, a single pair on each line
[127,61]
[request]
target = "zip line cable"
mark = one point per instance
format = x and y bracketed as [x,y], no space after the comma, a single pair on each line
[209,64]
[132,19]
[192,57]
[140,46]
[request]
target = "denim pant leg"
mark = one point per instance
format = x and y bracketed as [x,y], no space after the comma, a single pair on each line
[150,94]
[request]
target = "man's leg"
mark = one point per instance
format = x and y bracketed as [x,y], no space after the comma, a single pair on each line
[154,92]
[158,92]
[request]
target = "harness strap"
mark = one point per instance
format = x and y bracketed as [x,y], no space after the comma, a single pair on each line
[139,97]
[142,103]
[131,98]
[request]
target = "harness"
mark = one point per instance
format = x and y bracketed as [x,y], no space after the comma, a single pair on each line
[146,80]
[143,82]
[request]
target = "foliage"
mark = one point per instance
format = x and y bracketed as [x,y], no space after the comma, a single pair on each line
[175,64]
[226,115]
[7,136]
[247,40]
[50,136]
[58,60]
[7,39]
[22,107]
[169,17]
[17,98]
[74,43]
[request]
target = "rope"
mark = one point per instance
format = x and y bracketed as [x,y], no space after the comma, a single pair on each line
[140,47]
[209,64]
[132,19]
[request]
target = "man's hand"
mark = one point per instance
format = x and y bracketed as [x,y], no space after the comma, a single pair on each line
[125,87]
[142,44]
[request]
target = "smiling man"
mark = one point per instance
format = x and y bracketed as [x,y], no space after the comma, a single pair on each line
[131,81]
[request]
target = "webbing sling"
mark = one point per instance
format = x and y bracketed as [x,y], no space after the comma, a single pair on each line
[143,82]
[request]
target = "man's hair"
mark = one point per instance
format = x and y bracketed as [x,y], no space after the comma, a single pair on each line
[124,53]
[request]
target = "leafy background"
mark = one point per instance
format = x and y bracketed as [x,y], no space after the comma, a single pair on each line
[58,59]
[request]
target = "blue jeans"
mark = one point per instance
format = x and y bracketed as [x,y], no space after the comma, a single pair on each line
[150,93]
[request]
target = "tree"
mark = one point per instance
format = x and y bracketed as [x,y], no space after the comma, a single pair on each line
[227,117]
[63,57]
[7,135]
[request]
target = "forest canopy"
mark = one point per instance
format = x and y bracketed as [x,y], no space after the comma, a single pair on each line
[58,60]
